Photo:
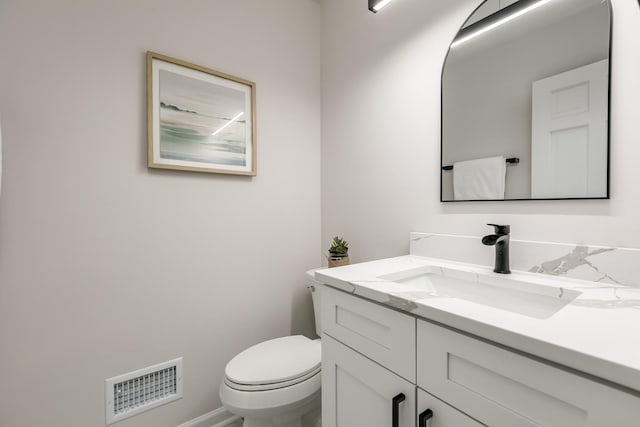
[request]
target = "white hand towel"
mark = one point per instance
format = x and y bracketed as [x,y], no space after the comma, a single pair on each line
[479,179]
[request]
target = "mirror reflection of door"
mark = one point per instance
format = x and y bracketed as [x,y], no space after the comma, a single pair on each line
[569,133]
[487,100]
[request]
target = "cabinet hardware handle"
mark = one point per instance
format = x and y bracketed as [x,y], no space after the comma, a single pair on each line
[423,418]
[395,409]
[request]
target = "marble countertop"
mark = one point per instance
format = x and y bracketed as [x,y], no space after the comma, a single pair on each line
[597,333]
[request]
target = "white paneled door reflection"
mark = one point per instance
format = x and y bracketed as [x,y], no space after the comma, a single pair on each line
[569,133]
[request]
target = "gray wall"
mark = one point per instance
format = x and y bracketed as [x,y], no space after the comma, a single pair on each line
[487,94]
[381,135]
[107,266]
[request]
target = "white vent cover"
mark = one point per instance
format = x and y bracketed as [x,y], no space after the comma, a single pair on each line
[129,394]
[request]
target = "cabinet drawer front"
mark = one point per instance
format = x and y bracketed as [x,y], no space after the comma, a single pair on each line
[502,388]
[382,334]
[357,392]
[443,414]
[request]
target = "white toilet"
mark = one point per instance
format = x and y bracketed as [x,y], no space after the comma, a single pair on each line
[277,383]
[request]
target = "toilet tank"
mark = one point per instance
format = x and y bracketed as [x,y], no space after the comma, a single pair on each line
[315,287]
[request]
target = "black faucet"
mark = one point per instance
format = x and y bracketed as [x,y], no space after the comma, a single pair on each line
[501,241]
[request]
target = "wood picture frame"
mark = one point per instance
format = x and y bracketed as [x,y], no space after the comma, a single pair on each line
[199,119]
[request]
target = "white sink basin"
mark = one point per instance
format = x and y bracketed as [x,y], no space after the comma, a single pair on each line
[509,293]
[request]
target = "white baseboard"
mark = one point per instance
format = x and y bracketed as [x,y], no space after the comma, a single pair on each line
[218,418]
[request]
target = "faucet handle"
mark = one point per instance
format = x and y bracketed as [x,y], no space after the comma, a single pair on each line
[501,229]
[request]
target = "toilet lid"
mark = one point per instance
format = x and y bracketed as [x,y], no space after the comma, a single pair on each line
[275,361]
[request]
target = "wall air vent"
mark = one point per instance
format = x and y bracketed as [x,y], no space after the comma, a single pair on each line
[129,394]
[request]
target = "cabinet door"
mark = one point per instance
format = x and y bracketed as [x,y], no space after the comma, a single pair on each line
[358,392]
[442,415]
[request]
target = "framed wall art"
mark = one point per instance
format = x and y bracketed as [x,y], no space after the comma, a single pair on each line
[199,119]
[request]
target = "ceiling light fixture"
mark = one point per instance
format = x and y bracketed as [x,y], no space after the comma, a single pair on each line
[499,22]
[376,5]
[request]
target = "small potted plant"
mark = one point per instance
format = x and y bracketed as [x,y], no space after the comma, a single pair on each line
[338,252]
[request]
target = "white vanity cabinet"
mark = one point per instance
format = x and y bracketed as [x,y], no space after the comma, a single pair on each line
[371,354]
[359,390]
[369,367]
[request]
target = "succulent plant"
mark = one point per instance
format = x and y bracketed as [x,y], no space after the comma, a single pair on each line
[339,246]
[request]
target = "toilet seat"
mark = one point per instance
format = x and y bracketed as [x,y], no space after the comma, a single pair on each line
[274,364]
[264,387]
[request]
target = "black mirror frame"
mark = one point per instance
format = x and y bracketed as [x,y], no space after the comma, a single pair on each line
[520,3]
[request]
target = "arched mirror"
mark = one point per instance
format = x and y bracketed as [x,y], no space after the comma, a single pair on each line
[525,102]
